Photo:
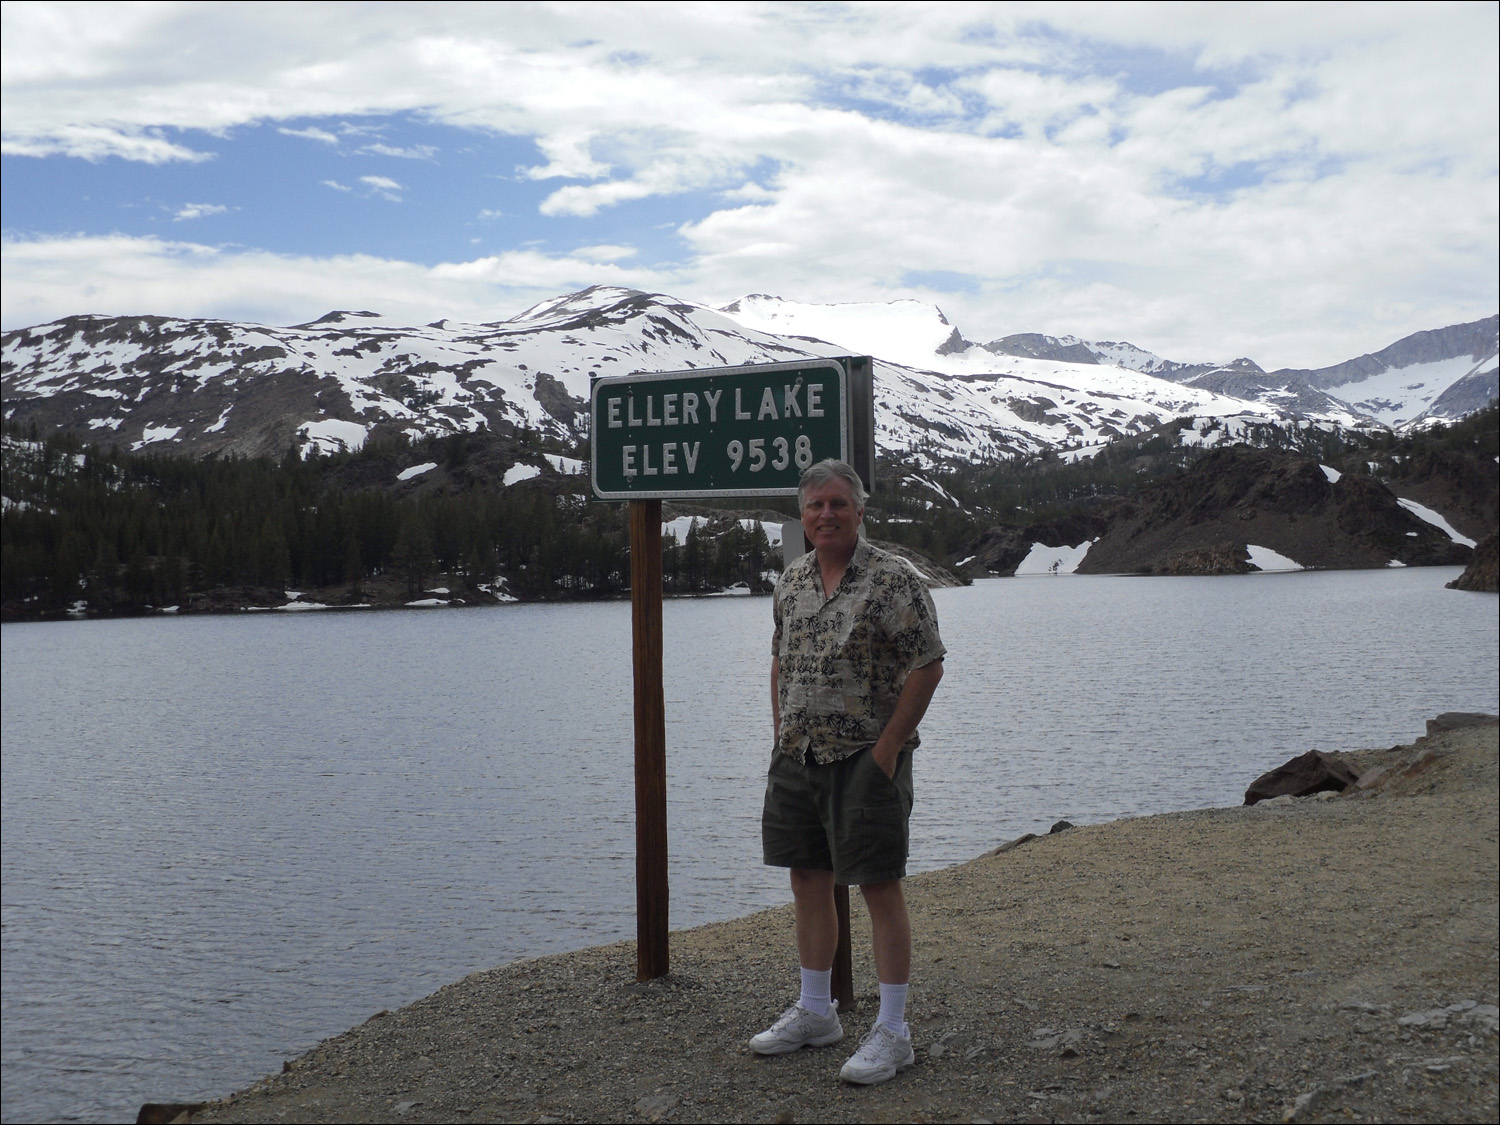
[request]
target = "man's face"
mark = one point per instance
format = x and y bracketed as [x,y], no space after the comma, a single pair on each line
[830,518]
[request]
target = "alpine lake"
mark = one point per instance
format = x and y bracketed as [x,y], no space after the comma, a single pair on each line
[226,838]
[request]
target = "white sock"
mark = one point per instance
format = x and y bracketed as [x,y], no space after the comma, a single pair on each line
[817,986]
[893,1007]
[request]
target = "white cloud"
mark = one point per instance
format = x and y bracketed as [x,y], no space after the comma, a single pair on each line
[311,133]
[198,211]
[383,186]
[567,157]
[98,142]
[45,279]
[604,253]
[1299,183]
[335,185]
[412,152]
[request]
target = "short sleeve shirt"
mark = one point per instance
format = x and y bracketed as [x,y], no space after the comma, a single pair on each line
[844,659]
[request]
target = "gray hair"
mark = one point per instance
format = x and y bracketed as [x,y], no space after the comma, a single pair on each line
[828,471]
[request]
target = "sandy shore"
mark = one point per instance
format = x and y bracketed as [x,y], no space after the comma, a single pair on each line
[1308,959]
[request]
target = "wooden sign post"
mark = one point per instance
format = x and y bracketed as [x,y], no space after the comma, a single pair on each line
[722,432]
[651,956]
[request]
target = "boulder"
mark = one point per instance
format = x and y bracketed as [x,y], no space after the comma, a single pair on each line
[1313,772]
[1217,558]
[1482,575]
[163,1113]
[1460,720]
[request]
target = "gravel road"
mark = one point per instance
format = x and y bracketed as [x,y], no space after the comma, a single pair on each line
[1305,959]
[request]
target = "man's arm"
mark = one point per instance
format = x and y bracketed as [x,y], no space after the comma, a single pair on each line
[775,696]
[911,705]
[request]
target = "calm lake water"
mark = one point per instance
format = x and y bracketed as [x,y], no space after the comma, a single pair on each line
[226,838]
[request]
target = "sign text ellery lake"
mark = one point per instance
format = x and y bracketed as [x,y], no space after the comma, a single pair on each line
[729,431]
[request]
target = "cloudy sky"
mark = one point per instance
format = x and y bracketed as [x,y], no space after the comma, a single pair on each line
[1297,183]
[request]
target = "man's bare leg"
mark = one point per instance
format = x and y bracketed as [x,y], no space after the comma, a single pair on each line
[887,1049]
[891,931]
[813,1021]
[817,919]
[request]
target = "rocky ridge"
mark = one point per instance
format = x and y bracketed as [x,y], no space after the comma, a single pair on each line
[1234,497]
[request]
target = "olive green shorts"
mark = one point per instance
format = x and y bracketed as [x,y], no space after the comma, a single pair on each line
[846,817]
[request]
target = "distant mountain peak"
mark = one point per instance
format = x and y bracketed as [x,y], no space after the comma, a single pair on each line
[1243,365]
[1034,345]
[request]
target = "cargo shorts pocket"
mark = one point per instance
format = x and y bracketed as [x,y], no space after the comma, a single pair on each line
[881,799]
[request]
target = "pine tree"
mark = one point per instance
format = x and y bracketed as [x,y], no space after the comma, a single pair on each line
[412,556]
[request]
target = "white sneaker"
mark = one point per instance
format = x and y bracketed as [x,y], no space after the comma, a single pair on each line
[881,1054]
[797,1028]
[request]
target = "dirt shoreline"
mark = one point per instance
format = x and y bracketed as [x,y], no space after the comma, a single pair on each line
[1305,959]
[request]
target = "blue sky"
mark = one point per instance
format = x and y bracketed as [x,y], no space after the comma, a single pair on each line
[1297,183]
[395,186]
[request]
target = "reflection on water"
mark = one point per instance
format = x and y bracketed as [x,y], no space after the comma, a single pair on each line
[226,838]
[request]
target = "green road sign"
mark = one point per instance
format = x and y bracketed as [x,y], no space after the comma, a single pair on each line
[725,431]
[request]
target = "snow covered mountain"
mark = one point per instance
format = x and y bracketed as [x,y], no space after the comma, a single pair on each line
[1434,375]
[205,386]
[1441,374]
[903,332]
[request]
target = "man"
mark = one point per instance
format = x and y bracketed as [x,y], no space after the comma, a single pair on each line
[855,659]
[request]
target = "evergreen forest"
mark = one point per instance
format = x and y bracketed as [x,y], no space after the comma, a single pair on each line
[98,530]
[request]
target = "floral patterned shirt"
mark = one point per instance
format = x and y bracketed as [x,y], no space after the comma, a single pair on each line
[844,659]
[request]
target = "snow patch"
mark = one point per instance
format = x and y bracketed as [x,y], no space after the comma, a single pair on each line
[568,466]
[1082,453]
[913,478]
[1401,394]
[1426,514]
[496,589]
[1263,558]
[517,473]
[1042,559]
[738,590]
[427,603]
[1333,475]
[154,434]
[332,435]
[418,470]
[772,530]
